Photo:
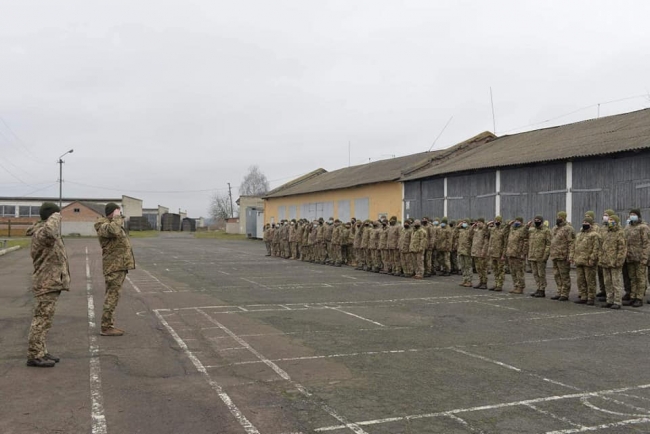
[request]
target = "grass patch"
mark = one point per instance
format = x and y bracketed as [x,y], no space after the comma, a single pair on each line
[219,235]
[143,234]
[22,242]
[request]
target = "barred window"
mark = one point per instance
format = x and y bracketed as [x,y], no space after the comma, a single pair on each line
[8,210]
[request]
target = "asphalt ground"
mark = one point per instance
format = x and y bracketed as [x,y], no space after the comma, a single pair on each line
[221,339]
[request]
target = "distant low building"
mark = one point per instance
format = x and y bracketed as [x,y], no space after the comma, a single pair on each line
[251,215]
[79,218]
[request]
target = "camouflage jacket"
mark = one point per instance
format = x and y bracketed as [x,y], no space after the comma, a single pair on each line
[346,236]
[373,241]
[313,235]
[517,245]
[498,241]
[443,239]
[117,254]
[336,234]
[431,235]
[637,237]
[613,249]
[294,233]
[358,236]
[268,234]
[562,239]
[320,233]
[586,248]
[465,241]
[393,237]
[405,240]
[51,271]
[480,239]
[284,234]
[454,238]
[305,234]
[383,238]
[419,241]
[276,235]
[327,232]
[539,243]
[365,237]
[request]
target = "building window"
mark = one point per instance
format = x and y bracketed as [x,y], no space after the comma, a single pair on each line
[77,210]
[407,205]
[35,211]
[28,211]
[7,211]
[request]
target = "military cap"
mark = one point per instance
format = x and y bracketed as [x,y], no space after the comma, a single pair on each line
[337,221]
[480,219]
[519,219]
[636,211]
[590,214]
[393,218]
[539,217]
[110,208]
[444,220]
[589,220]
[452,223]
[498,218]
[610,212]
[47,209]
[616,218]
[562,215]
[321,219]
[410,220]
[426,218]
[417,223]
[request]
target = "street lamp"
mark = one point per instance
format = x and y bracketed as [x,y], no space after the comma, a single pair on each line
[61,175]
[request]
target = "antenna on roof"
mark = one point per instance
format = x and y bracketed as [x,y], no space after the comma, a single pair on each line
[349,153]
[440,134]
[494,122]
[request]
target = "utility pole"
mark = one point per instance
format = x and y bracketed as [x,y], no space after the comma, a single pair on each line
[60,162]
[232,213]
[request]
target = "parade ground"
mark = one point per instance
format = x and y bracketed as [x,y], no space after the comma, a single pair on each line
[221,339]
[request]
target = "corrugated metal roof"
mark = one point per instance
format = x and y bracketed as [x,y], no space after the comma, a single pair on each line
[379,171]
[607,135]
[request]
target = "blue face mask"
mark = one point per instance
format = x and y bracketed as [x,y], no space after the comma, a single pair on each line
[464,225]
[634,218]
[442,225]
[517,224]
[435,222]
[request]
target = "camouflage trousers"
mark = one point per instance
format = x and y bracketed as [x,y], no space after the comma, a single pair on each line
[295,253]
[638,279]
[453,257]
[268,247]
[466,267]
[428,261]
[481,269]
[386,261]
[418,263]
[539,273]
[562,274]
[396,262]
[499,269]
[286,249]
[613,284]
[442,258]
[517,268]
[586,277]
[44,308]
[407,263]
[374,262]
[336,254]
[114,283]
[601,280]
[275,249]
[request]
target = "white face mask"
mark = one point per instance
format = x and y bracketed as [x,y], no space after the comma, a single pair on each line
[605,218]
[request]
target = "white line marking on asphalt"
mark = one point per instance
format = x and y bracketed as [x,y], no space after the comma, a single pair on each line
[348,277]
[254,283]
[223,272]
[562,316]
[505,405]
[169,289]
[603,426]
[357,316]
[353,427]
[245,423]
[97,399]
[464,423]
[487,359]
[553,415]
[133,284]
[585,402]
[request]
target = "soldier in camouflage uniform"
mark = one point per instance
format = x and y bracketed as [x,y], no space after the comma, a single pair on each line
[516,251]
[313,242]
[417,248]
[453,256]
[51,276]
[275,244]
[304,241]
[294,238]
[435,265]
[562,239]
[404,249]
[443,247]
[327,237]
[335,246]
[392,242]
[428,254]
[539,249]
[356,244]
[480,239]
[585,255]
[268,236]
[465,251]
[496,250]
[613,251]
[366,260]
[117,260]
[320,248]
[286,246]
[637,237]
[346,243]
[373,248]
[387,266]
[602,230]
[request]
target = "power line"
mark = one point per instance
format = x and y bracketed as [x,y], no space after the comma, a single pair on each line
[148,191]
[20,142]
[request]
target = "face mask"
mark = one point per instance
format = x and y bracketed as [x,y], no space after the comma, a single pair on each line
[517,224]
[538,224]
[585,227]
[442,225]
[464,225]
[605,218]
[497,224]
[417,226]
[611,223]
[634,218]
[435,222]
[407,226]
[392,223]
[559,221]
[425,223]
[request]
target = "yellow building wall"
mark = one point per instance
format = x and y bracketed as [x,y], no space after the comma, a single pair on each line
[383,198]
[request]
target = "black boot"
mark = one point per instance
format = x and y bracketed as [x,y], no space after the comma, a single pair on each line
[40,363]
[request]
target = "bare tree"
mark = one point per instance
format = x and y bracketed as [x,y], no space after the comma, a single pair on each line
[220,207]
[254,183]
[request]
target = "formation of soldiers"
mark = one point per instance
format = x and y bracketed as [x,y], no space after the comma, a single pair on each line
[607,256]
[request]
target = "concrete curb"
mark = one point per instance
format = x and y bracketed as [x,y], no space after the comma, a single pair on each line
[10,249]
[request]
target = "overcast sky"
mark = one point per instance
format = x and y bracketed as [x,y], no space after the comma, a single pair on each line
[166,100]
